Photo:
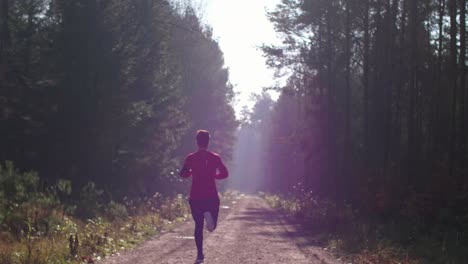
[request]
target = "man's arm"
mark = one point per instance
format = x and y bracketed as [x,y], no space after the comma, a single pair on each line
[223,172]
[185,172]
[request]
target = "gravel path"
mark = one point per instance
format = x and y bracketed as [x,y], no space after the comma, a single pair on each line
[249,231]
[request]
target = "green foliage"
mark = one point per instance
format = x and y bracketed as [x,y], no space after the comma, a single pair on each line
[113,230]
[354,236]
[101,94]
[372,114]
[174,209]
[68,227]
[91,201]
[25,208]
[15,185]
[93,98]
[205,84]
[116,210]
[64,187]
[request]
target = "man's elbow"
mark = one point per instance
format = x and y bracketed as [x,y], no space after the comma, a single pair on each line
[222,175]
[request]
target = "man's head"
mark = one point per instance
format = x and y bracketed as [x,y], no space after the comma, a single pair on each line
[203,138]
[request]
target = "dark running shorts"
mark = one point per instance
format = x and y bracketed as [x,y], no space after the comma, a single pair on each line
[198,207]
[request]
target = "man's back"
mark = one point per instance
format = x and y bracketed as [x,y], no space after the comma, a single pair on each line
[204,167]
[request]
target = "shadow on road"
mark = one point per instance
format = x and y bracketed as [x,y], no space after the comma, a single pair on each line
[291,229]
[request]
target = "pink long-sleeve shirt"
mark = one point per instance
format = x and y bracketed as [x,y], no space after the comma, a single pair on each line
[204,167]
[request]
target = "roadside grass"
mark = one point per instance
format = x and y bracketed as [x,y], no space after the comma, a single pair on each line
[75,240]
[44,226]
[355,238]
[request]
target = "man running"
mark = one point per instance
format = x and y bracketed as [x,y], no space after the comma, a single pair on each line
[204,167]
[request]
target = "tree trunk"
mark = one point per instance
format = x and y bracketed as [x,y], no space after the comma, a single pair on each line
[365,82]
[438,95]
[390,68]
[453,83]
[347,136]
[4,40]
[29,33]
[412,158]
[399,96]
[330,132]
[462,153]
[4,45]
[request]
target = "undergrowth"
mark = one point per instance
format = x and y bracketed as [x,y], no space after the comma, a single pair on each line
[42,225]
[358,237]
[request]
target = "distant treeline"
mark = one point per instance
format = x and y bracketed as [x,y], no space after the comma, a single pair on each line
[109,91]
[374,110]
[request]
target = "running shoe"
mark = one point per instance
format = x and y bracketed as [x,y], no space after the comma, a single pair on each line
[200,259]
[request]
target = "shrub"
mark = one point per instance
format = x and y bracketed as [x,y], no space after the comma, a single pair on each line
[116,211]
[23,204]
[174,208]
[91,201]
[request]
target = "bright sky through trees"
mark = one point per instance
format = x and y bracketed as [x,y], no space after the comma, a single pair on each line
[241,26]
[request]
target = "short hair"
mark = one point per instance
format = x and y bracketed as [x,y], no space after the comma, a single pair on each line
[203,138]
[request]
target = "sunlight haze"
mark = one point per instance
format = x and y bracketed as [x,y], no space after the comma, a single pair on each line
[240,40]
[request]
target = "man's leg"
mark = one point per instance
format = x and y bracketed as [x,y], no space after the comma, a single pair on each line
[197,215]
[214,210]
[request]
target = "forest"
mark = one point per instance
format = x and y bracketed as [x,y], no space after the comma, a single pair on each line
[108,91]
[366,145]
[99,100]
[372,117]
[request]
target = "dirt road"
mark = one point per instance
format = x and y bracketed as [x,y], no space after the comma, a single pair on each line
[249,231]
